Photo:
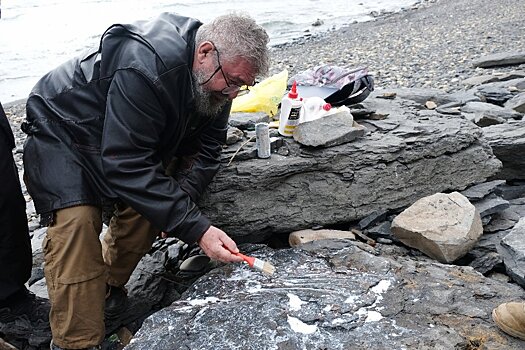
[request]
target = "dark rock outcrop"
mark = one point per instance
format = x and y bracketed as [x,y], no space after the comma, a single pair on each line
[334,295]
[412,153]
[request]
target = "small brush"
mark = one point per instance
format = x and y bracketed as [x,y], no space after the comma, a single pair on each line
[258,264]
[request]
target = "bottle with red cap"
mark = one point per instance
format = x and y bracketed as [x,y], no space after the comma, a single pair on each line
[291,112]
[314,108]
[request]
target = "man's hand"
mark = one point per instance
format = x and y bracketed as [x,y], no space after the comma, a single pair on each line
[217,245]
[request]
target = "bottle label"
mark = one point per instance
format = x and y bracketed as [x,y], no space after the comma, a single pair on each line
[293,121]
[295,113]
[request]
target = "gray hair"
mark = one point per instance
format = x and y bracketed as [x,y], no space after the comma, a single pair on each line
[237,35]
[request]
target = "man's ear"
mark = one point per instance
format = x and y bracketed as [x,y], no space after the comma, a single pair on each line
[204,49]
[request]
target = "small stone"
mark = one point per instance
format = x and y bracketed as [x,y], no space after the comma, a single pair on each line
[430,105]
[301,237]
[384,240]
[318,23]
[388,95]
[233,135]
[196,263]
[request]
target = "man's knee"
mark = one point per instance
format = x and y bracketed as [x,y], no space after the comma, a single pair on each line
[72,245]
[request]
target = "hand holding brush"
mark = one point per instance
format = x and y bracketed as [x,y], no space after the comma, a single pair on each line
[217,245]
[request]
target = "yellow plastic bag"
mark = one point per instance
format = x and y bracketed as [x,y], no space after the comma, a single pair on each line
[264,96]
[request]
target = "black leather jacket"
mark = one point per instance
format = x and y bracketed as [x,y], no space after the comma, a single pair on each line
[102,126]
[5,130]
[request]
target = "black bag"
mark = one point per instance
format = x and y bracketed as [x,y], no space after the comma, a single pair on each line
[337,86]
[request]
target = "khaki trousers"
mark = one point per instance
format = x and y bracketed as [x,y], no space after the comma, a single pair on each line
[78,266]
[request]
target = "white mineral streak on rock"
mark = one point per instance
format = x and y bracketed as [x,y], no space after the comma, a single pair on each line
[241,273]
[381,287]
[254,289]
[351,299]
[200,302]
[338,321]
[188,308]
[373,316]
[299,326]
[295,302]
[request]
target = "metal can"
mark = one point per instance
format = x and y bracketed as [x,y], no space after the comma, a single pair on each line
[262,140]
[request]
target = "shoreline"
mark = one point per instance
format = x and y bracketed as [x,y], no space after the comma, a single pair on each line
[429,45]
[375,16]
[432,46]
[37,59]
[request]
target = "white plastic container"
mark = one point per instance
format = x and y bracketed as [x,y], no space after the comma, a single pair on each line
[291,112]
[341,110]
[315,108]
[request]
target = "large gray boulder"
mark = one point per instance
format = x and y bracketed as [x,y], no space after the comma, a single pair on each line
[443,226]
[411,154]
[334,295]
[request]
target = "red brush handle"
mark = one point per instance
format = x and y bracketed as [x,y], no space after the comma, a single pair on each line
[249,259]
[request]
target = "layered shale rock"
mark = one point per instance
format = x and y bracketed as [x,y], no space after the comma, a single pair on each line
[412,153]
[508,143]
[512,248]
[500,59]
[334,295]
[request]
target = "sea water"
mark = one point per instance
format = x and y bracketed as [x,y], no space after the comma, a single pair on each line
[38,35]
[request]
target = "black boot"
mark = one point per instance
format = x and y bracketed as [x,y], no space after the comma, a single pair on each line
[116,302]
[24,319]
[115,308]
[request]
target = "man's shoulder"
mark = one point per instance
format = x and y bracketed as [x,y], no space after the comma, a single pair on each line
[161,43]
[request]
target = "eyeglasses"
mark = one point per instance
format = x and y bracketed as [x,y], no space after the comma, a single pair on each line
[229,89]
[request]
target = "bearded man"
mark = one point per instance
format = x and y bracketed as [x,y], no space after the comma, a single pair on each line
[102,129]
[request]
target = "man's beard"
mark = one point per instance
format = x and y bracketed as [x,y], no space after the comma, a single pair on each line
[206,103]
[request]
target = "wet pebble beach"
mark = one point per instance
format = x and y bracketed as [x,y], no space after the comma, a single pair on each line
[431,45]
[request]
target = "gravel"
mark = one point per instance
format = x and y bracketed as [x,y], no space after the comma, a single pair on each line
[431,45]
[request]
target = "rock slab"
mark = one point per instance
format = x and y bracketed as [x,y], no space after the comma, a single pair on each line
[500,59]
[443,226]
[328,131]
[508,143]
[304,236]
[411,154]
[512,249]
[334,295]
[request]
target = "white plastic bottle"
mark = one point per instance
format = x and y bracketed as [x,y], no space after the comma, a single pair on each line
[314,108]
[291,111]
